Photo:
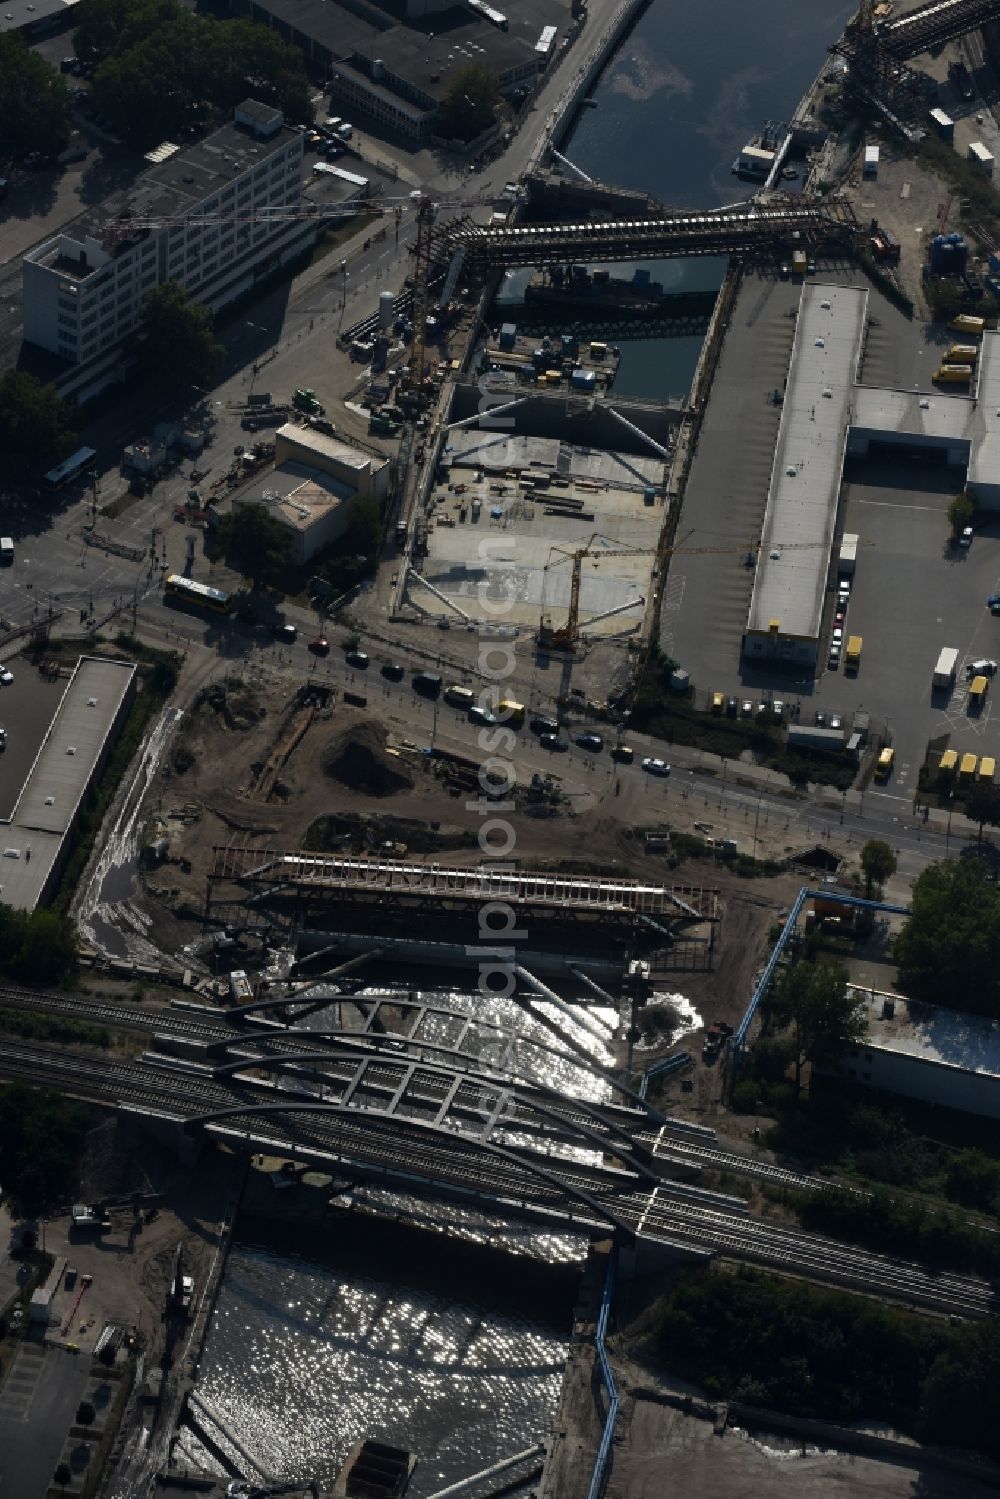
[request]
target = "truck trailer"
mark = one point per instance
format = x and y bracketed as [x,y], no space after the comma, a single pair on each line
[944,671]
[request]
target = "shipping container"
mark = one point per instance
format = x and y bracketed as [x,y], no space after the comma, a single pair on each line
[871,161]
[806,736]
[943,124]
[978,153]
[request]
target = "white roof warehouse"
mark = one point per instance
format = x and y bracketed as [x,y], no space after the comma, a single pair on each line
[801,515]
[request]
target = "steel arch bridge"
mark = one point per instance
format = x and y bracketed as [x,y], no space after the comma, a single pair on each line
[417,1024]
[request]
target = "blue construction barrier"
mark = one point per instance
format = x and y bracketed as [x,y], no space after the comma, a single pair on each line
[600,1473]
[668,1064]
[834,896]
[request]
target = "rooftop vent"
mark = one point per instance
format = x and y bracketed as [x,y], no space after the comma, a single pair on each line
[821,343]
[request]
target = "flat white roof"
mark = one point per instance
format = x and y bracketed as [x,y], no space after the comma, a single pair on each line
[31,841]
[984,461]
[912,413]
[805,481]
[948,1038]
[331,447]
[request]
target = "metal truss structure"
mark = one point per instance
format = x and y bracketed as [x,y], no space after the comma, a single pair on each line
[930,26]
[755,228]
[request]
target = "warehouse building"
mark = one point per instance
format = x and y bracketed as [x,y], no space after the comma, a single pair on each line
[921,1051]
[786,608]
[38,836]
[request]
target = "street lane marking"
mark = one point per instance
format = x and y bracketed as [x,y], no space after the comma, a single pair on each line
[895,505]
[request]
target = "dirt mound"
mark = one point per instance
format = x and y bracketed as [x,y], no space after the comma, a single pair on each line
[358,758]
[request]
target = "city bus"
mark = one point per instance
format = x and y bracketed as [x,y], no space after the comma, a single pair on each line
[199,595]
[71,468]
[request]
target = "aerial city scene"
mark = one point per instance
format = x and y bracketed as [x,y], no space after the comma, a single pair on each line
[499,628]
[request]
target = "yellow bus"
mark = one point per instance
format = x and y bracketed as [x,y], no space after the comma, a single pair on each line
[953,374]
[508,711]
[987,768]
[966,323]
[967,768]
[961,354]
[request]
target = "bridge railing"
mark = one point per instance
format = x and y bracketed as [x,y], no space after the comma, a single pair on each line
[601,1463]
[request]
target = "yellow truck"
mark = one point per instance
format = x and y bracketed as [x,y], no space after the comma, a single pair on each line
[799,263]
[961,354]
[966,323]
[852,655]
[948,762]
[953,374]
[883,765]
[977,692]
[987,768]
[967,768]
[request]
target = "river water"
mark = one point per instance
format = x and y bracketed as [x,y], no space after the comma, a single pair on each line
[457,1353]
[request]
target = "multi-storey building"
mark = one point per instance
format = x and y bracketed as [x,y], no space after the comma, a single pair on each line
[195,211]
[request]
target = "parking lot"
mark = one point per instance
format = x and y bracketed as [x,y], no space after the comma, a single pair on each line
[914,591]
[26,708]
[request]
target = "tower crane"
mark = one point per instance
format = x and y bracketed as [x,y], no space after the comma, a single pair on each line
[566,637]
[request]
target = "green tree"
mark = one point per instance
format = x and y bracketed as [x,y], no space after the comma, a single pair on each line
[974,1180]
[946,952]
[824,1018]
[41,1137]
[469,106]
[86,1415]
[35,421]
[960,513]
[35,113]
[255,542]
[878,863]
[982,804]
[175,343]
[107,26]
[62,1475]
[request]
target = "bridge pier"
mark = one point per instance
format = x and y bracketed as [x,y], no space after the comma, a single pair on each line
[169,1132]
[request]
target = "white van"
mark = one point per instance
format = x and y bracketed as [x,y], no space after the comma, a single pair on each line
[6,550]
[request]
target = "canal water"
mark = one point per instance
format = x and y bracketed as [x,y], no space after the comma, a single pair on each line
[455,1351]
[688,88]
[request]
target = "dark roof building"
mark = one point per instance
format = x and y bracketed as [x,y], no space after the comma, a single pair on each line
[393,61]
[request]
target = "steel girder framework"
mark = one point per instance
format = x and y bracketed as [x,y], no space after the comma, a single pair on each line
[743,229]
[474,1107]
[881,80]
[424,1026]
[932,25]
[563,1187]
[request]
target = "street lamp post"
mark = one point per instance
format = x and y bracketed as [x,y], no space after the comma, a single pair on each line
[756,820]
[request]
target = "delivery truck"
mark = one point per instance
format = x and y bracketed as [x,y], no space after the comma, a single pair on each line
[944,672]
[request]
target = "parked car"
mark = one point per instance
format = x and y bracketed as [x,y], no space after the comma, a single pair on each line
[965,540]
[540,725]
[592,742]
[357,659]
[833,660]
[732,707]
[981,668]
[747,709]
[6,676]
[482,715]
[836,722]
[655,767]
[320,646]
[393,672]
[288,633]
[820,719]
[623,753]
[554,744]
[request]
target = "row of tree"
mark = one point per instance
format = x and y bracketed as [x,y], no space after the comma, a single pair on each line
[162,68]
[35,114]
[824,1354]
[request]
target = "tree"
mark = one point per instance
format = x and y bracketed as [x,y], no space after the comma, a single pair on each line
[175,343]
[62,1475]
[878,863]
[946,952]
[256,543]
[982,804]
[960,513]
[470,104]
[35,421]
[824,1018]
[86,1415]
[35,114]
